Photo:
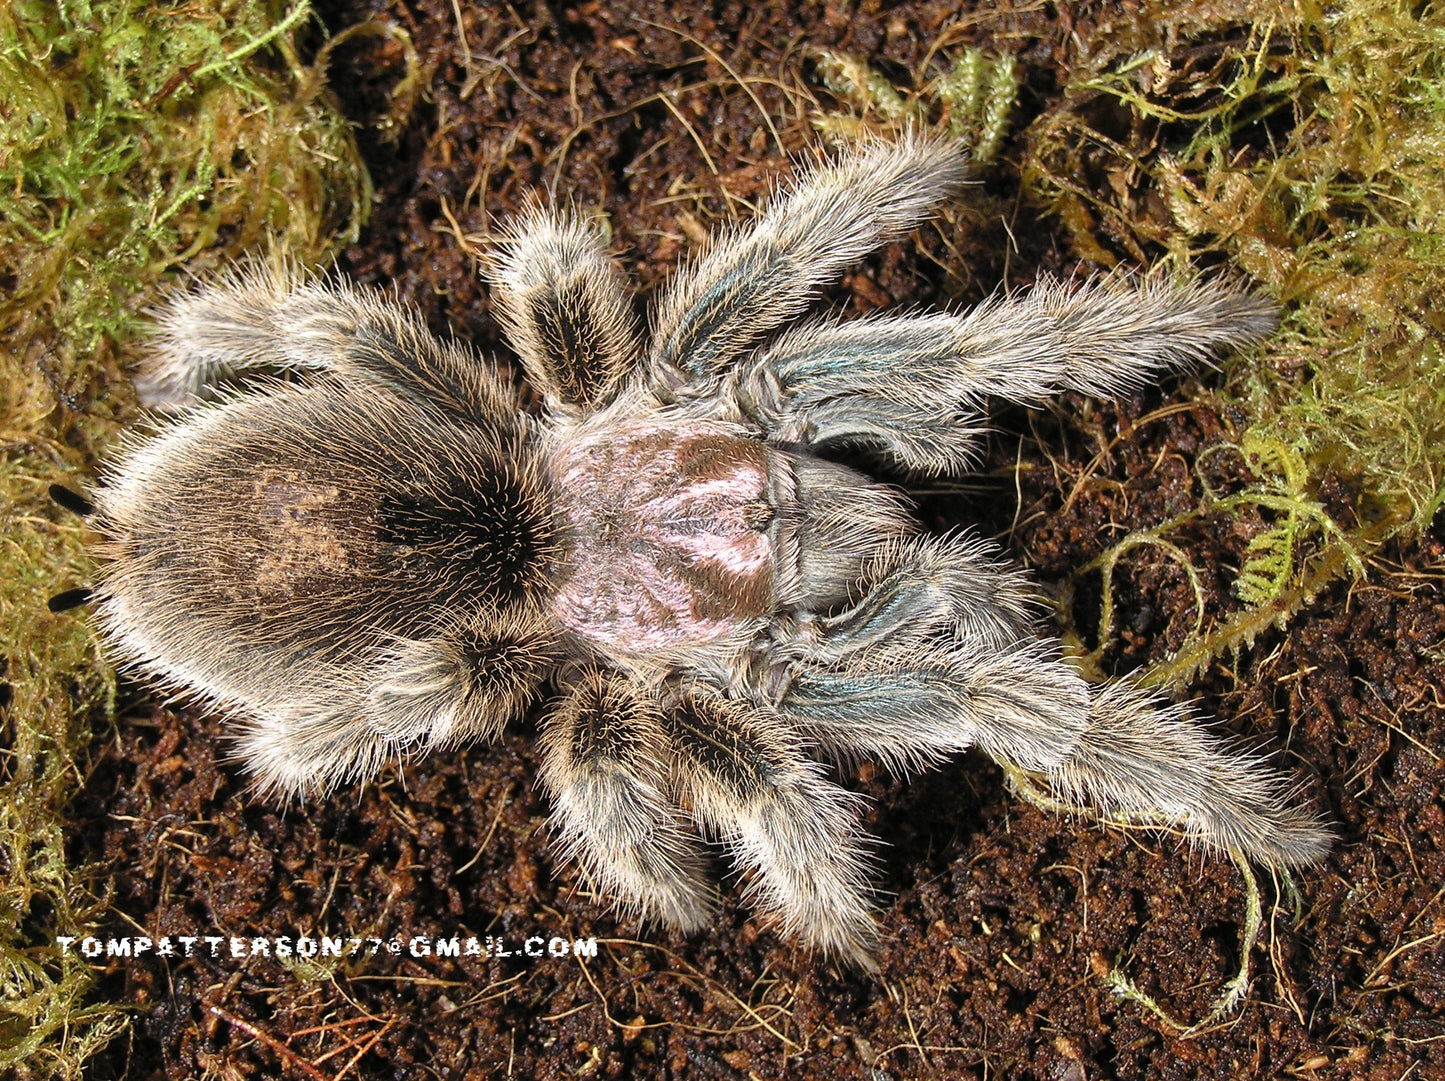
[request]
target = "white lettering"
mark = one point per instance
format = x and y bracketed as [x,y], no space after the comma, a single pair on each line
[584,947]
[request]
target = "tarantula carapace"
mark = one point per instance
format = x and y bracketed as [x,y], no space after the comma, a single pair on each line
[390,554]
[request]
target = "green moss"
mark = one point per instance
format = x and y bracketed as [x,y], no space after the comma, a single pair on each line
[135,138]
[1301,145]
[972,101]
[139,135]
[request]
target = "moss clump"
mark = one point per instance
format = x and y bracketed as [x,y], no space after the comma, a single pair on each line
[134,138]
[972,101]
[1302,145]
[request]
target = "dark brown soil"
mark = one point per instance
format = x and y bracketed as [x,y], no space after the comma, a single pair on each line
[1003,922]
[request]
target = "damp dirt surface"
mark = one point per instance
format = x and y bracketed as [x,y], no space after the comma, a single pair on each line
[1007,929]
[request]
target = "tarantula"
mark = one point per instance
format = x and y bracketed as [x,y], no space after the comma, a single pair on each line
[390,554]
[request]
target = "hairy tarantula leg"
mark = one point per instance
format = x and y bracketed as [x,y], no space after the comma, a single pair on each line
[938,654]
[1141,756]
[756,279]
[423,694]
[926,585]
[308,748]
[260,316]
[749,784]
[565,308]
[912,703]
[603,756]
[915,385]
[465,684]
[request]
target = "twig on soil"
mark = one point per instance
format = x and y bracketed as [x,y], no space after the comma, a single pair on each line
[917,1044]
[717,58]
[365,1047]
[287,1055]
[455,229]
[663,97]
[666,100]
[496,819]
[790,1046]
